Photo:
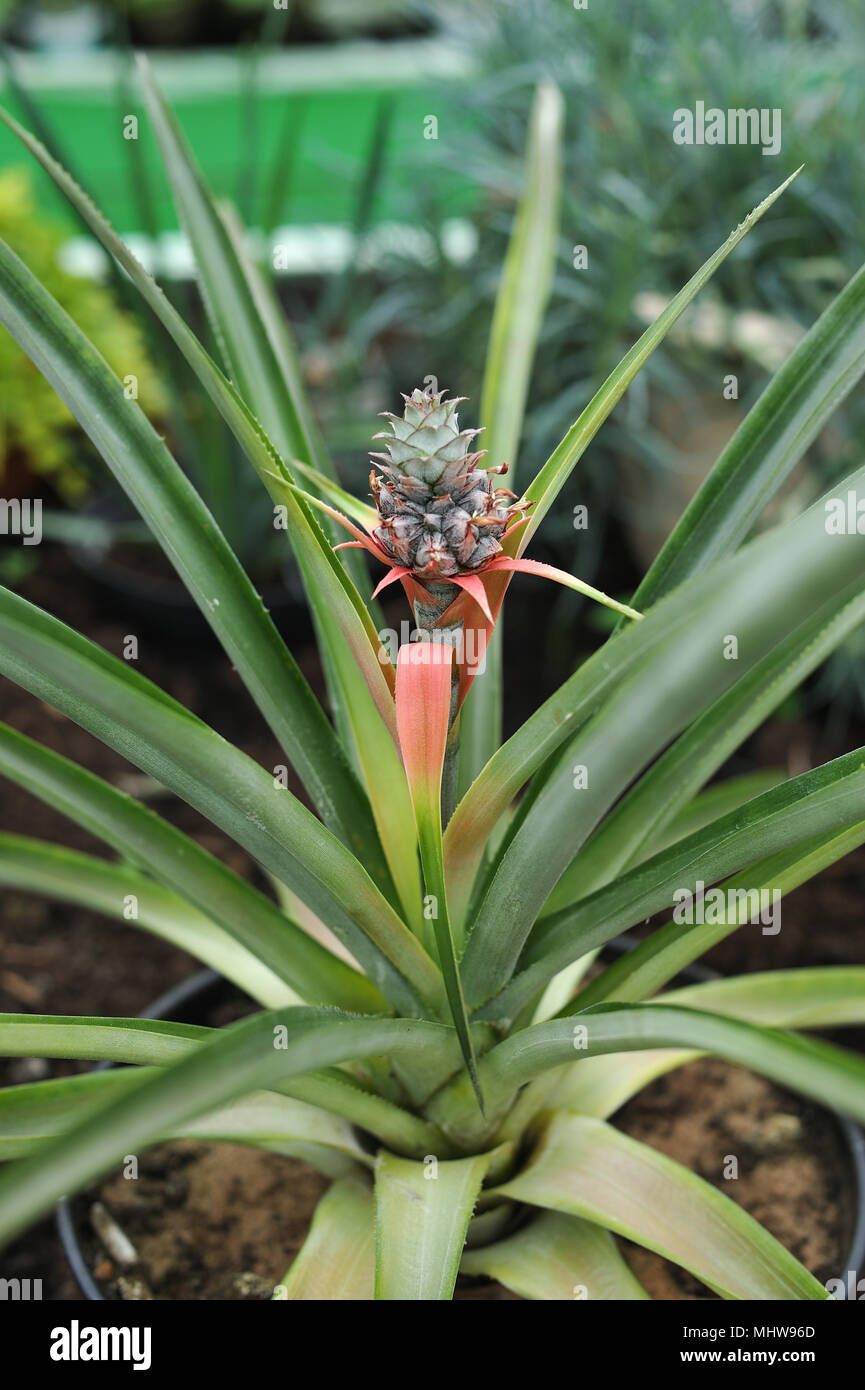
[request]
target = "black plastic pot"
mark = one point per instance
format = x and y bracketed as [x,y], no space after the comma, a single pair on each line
[188,1002]
[190,998]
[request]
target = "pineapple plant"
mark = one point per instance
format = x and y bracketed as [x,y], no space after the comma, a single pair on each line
[456,1035]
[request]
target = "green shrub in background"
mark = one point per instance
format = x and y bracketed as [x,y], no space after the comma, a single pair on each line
[635,199]
[38,436]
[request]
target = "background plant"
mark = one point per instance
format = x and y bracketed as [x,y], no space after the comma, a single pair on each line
[40,438]
[264,192]
[642,207]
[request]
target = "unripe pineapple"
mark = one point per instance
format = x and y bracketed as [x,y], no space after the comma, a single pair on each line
[439,514]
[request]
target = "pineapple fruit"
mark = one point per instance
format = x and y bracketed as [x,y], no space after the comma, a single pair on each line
[439,514]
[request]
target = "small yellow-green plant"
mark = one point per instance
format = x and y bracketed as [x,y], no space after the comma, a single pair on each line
[38,430]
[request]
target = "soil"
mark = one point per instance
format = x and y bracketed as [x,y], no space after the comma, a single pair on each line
[60,959]
[793,1169]
[209,1221]
[213,1222]
[223,1222]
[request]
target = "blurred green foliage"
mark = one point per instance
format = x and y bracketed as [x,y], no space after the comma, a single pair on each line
[648,211]
[37,433]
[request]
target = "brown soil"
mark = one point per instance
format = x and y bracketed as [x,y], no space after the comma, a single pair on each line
[224,1222]
[212,1222]
[793,1170]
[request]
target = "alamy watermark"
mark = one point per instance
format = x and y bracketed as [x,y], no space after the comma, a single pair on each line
[736,126]
[22,516]
[77,1343]
[700,908]
[20,1290]
[845,516]
[469,645]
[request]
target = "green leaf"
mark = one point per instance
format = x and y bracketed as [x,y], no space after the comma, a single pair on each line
[771,439]
[270,943]
[708,805]
[525,282]
[588,1169]
[336,1262]
[274,945]
[277,396]
[811,1067]
[263,1120]
[45,1109]
[590,688]
[778,581]
[816,1069]
[328,585]
[133,716]
[346,502]
[31,1116]
[557,1258]
[662,955]
[339,1093]
[822,997]
[555,472]
[257,1053]
[244,342]
[421,1219]
[826,996]
[226,256]
[489,800]
[265,313]
[517,318]
[116,891]
[647,808]
[192,541]
[139,1041]
[254,339]
[821,802]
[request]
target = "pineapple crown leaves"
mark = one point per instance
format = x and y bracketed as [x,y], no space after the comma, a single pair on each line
[439,515]
[427,437]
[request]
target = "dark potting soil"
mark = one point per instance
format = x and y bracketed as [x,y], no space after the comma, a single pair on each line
[224,1222]
[214,1222]
[60,959]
